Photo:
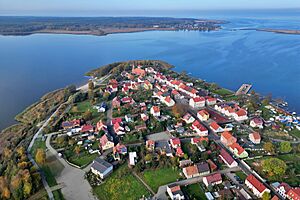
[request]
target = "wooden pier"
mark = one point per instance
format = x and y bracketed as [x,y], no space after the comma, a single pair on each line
[244,89]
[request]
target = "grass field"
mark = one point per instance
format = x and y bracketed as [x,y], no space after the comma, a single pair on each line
[242,175]
[295,132]
[83,159]
[124,187]
[223,92]
[38,144]
[159,177]
[194,191]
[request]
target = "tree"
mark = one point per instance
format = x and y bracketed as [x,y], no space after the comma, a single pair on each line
[88,115]
[91,85]
[148,157]
[27,188]
[40,156]
[77,150]
[6,193]
[21,151]
[274,166]
[179,110]
[266,196]
[106,95]
[285,147]
[269,147]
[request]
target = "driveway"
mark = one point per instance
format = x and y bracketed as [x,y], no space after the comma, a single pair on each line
[76,186]
[159,136]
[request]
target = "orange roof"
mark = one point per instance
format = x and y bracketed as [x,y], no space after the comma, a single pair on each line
[241,112]
[214,125]
[203,113]
[191,170]
[227,135]
[256,183]
[237,147]
[168,99]
[156,109]
[175,188]
[256,135]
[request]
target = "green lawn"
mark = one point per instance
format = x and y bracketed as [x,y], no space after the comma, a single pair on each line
[38,144]
[242,175]
[223,92]
[119,186]
[158,177]
[83,159]
[295,132]
[194,191]
[58,195]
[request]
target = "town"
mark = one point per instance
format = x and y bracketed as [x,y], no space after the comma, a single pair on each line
[143,131]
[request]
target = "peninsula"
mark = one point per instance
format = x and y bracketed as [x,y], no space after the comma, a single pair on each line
[101,25]
[140,130]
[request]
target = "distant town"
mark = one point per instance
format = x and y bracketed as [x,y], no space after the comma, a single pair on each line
[139,130]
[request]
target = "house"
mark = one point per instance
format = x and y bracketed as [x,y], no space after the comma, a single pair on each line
[197,102]
[141,127]
[168,101]
[138,71]
[155,111]
[227,138]
[227,159]
[128,118]
[119,130]
[150,145]
[257,123]
[71,124]
[199,128]
[106,142]
[293,194]
[101,168]
[116,103]
[210,101]
[283,189]
[203,115]
[147,85]
[238,150]
[175,192]
[179,152]
[212,165]
[185,163]
[255,138]
[132,158]
[144,117]
[127,100]
[100,108]
[100,126]
[240,115]
[190,171]
[216,127]
[163,147]
[116,120]
[256,186]
[188,118]
[175,143]
[212,180]
[203,168]
[118,150]
[87,128]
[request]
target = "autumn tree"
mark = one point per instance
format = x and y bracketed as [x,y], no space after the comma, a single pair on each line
[6,193]
[27,188]
[285,147]
[88,115]
[179,110]
[40,156]
[91,90]
[106,95]
[266,196]
[21,151]
[274,166]
[269,147]
[77,150]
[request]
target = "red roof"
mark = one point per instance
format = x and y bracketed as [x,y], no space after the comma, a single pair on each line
[199,139]
[175,141]
[256,183]
[156,109]
[86,128]
[226,156]
[213,178]
[203,113]
[175,92]
[237,147]
[104,139]
[168,99]
[241,112]
[198,99]
[179,151]
[214,125]
[294,193]
[199,126]
[116,120]
[208,98]
[256,136]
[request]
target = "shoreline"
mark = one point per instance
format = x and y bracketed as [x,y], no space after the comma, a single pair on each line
[278,31]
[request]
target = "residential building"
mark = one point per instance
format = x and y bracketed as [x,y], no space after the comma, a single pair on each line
[240,115]
[210,101]
[238,150]
[283,189]
[197,102]
[155,111]
[293,194]
[168,101]
[188,118]
[191,171]
[175,142]
[212,180]
[215,127]
[150,145]
[106,142]
[175,192]
[255,138]
[227,159]
[203,115]
[199,128]
[256,186]
[257,123]
[227,138]
[132,158]
[101,168]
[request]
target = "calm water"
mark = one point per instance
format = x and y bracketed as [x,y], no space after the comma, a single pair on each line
[33,65]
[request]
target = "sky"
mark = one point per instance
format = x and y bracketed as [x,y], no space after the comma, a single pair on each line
[48,7]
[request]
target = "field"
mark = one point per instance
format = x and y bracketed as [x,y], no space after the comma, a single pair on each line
[158,177]
[194,191]
[121,186]
[241,175]
[81,160]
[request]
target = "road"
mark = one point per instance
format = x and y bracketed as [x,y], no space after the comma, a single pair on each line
[161,193]
[76,186]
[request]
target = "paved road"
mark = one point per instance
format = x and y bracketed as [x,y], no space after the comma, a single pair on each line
[77,187]
[161,193]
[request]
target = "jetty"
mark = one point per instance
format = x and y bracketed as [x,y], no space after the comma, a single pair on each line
[244,89]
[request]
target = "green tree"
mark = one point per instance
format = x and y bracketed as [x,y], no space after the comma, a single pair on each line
[77,150]
[285,147]
[27,188]
[148,157]
[269,147]
[88,115]
[274,166]
[266,196]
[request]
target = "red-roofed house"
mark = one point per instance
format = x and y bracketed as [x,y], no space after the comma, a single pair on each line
[212,165]
[227,138]
[240,115]
[256,186]
[199,128]
[227,159]
[212,180]
[175,192]
[175,142]
[115,120]
[138,71]
[238,150]
[197,102]
[116,103]
[119,130]
[214,126]
[198,140]
[106,142]
[101,126]
[150,145]
[210,101]
[257,123]
[155,111]
[283,189]
[293,194]
[203,115]
[188,118]
[179,152]
[255,138]
[87,128]
[168,101]
[144,117]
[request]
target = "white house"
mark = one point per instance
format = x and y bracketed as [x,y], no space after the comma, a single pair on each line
[101,168]
[199,128]
[132,158]
[240,115]
[168,101]
[155,111]
[256,186]
[203,115]
[175,192]
[197,102]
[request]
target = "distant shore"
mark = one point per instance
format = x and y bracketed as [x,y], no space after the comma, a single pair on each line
[280,31]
